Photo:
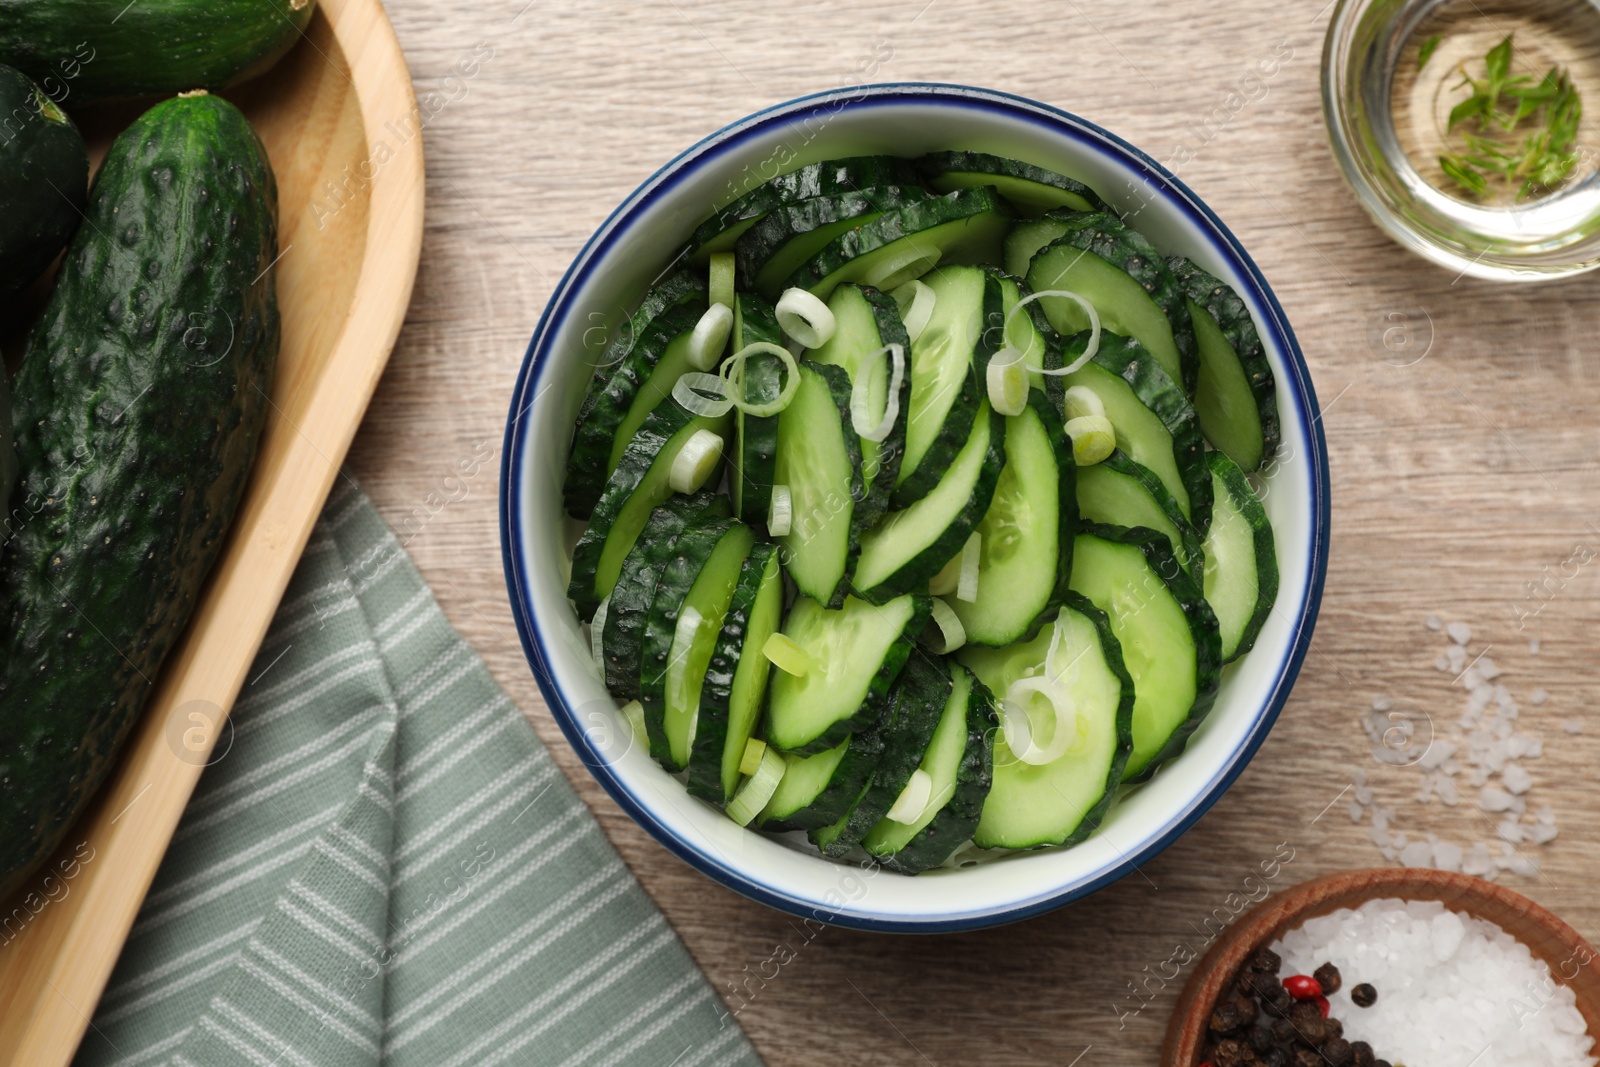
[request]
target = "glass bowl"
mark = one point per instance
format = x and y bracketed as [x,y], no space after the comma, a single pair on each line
[1388,112]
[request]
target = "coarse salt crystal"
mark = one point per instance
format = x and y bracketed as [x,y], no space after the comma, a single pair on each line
[1381,703]
[1510,830]
[1447,856]
[1515,779]
[1494,799]
[1533,646]
[1459,632]
[1540,833]
[1449,795]
[1442,663]
[1417,854]
[1573,726]
[1457,657]
[1356,811]
[1537,697]
[1432,622]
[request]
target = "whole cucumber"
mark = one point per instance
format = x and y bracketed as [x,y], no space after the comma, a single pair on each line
[83,50]
[44,178]
[141,397]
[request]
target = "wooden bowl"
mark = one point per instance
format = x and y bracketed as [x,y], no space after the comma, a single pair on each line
[1570,958]
[349,257]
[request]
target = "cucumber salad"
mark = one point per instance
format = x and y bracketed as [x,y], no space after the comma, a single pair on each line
[917,507]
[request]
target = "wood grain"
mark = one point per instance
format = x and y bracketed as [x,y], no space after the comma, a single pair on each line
[1455,479]
[344,276]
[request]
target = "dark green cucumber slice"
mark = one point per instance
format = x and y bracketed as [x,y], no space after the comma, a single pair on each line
[1029,332]
[790,234]
[915,708]
[698,583]
[755,454]
[673,364]
[817,791]
[1155,423]
[960,760]
[908,547]
[856,653]
[1113,266]
[819,459]
[1025,546]
[1026,239]
[1031,190]
[1063,801]
[736,678]
[1121,492]
[1168,633]
[635,590]
[965,226]
[867,320]
[632,492]
[948,361]
[1235,393]
[1241,575]
[723,229]
[621,372]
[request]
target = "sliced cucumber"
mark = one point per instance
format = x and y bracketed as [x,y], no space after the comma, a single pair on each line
[819,790]
[1169,638]
[965,226]
[700,578]
[856,652]
[1116,269]
[754,461]
[819,459]
[1121,492]
[774,248]
[615,408]
[1065,800]
[1241,576]
[1026,239]
[947,361]
[1029,332]
[1026,536]
[723,229]
[736,677]
[908,547]
[1031,190]
[1155,423]
[1235,394]
[867,320]
[635,590]
[915,708]
[960,761]
[632,492]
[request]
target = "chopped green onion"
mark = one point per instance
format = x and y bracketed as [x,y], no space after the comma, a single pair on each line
[915,300]
[733,374]
[699,393]
[1018,727]
[753,751]
[1093,438]
[944,583]
[695,461]
[860,418]
[780,513]
[905,266]
[1089,349]
[952,635]
[633,714]
[757,789]
[720,287]
[1080,400]
[913,799]
[805,318]
[597,626]
[1008,382]
[710,337]
[787,656]
[971,555]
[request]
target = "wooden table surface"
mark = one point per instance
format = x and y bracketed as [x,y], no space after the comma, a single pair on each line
[1457,477]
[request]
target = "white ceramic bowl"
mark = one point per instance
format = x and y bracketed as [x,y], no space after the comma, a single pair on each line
[613,270]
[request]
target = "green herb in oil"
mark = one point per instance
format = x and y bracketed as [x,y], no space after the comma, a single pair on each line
[1515,130]
[1426,50]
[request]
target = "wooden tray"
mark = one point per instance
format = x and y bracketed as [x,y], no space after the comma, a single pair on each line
[348,261]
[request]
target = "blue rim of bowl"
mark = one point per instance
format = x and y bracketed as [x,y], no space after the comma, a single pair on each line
[707,150]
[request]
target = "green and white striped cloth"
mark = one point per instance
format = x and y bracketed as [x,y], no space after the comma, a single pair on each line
[387,867]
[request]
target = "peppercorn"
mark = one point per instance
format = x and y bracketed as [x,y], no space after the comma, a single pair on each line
[1362,1054]
[1337,1052]
[1249,1011]
[1363,996]
[1261,1038]
[1333,1027]
[1278,999]
[1322,1005]
[1225,1020]
[1230,1052]
[1381,1063]
[1266,960]
[1306,1057]
[1274,1057]
[1327,976]
[1283,1031]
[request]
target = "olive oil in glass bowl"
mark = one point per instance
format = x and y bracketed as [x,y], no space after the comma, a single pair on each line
[1394,72]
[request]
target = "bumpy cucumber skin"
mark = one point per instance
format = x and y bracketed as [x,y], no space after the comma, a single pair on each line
[957,424]
[920,569]
[136,434]
[691,551]
[44,180]
[960,816]
[850,777]
[935,164]
[8,450]
[838,381]
[817,179]
[757,245]
[918,700]
[1233,319]
[1123,464]
[1249,505]
[1202,626]
[891,226]
[892,449]
[635,590]
[1124,247]
[106,49]
[716,693]
[757,435]
[612,393]
[1132,362]
[659,426]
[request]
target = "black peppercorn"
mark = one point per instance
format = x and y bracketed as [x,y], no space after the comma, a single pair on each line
[1225,1020]
[1328,977]
[1363,996]
[1279,999]
[1249,1011]
[1362,1054]
[1230,1052]
[1332,1028]
[1266,960]
[1337,1052]
[1275,1057]
[1283,1031]
[1305,1057]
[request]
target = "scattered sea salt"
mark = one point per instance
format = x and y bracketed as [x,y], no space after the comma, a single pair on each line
[1452,989]
[1459,632]
[1537,697]
[1533,646]
[1494,799]
[1516,779]
[1573,726]
[1432,622]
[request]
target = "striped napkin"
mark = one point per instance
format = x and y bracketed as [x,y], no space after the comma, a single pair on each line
[383,865]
